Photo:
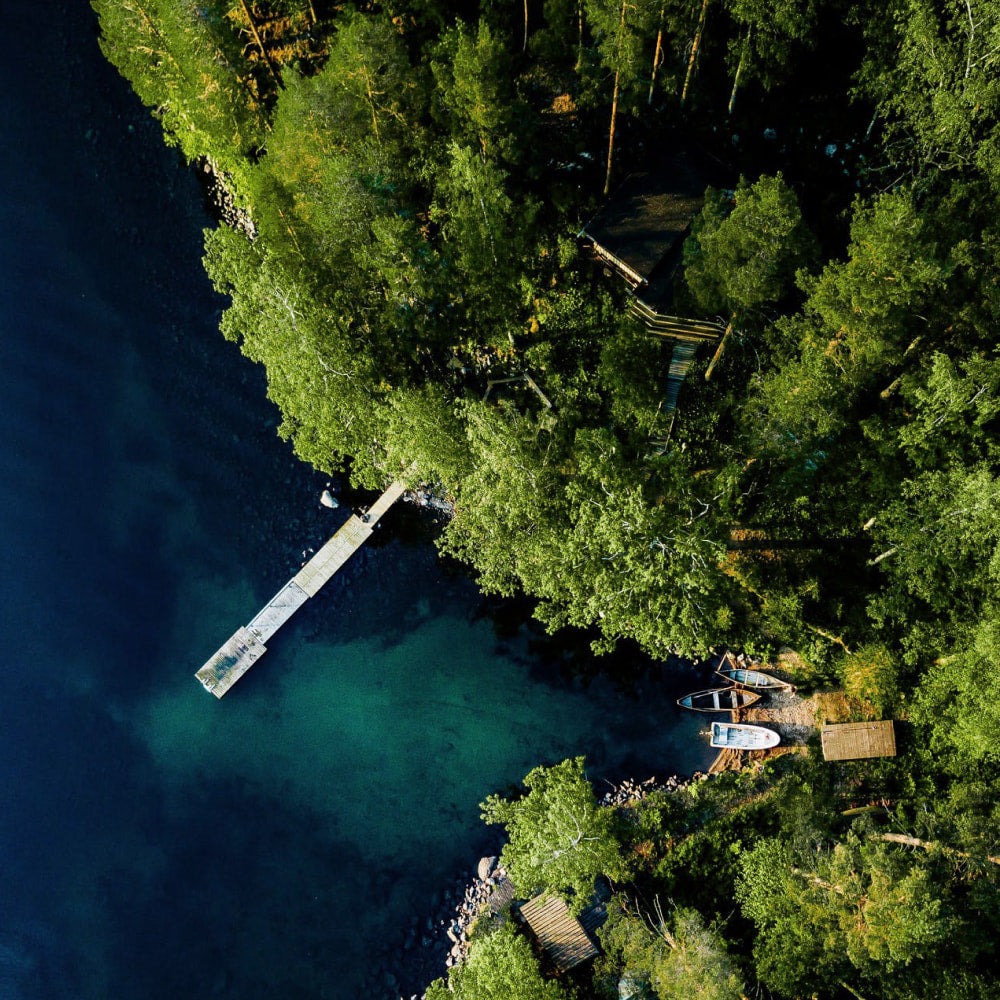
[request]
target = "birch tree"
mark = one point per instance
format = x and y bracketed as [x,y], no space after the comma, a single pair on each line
[768,32]
[675,954]
[558,837]
[181,61]
[501,966]
[617,27]
[933,66]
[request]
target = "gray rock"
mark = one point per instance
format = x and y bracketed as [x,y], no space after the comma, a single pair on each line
[327,499]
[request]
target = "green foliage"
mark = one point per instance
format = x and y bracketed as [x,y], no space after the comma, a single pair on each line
[484,235]
[893,264]
[558,838]
[944,534]
[741,258]
[933,74]
[953,406]
[338,146]
[859,320]
[871,675]
[181,60]
[959,696]
[677,957]
[324,386]
[425,429]
[501,966]
[474,95]
[773,31]
[633,370]
[618,41]
[859,908]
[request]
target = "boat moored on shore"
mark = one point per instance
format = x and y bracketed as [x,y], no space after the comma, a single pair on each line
[756,680]
[737,736]
[727,699]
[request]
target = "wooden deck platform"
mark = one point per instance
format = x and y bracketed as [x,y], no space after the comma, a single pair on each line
[857,740]
[560,935]
[247,645]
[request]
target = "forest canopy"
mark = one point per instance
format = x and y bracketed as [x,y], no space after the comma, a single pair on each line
[409,180]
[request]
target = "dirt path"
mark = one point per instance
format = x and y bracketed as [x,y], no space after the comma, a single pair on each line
[794,717]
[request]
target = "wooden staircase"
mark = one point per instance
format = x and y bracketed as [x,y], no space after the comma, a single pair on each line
[688,335]
[676,327]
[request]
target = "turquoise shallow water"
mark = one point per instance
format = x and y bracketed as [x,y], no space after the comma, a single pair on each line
[154,842]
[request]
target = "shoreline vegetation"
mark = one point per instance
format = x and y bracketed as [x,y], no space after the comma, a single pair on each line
[440,940]
[400,188]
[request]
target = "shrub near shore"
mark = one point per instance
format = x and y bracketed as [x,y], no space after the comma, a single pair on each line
[758,876]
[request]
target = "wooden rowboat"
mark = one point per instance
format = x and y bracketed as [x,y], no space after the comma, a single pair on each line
[719,699]
[755,679]
[734,736]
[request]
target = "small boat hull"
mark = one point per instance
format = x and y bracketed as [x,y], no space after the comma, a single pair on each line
[719,700]
[756,680]
[737,736]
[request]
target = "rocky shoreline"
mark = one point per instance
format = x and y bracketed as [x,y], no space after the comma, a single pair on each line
[426,496]
[221,200]
[435,943]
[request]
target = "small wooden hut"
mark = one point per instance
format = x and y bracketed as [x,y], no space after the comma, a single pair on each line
[858,740]
[645,219]
[560,935]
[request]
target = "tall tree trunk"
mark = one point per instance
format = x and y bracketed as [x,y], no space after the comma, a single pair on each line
[850,989]
[739,70]
[694,51]
[720,349]
[260,45]
[927,845]
[614,102]
[312,12]
[371,104]
[524,46]
[579,40]
[611,136]
[657,55]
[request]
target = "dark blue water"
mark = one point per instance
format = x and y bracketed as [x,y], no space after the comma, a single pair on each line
[156,843]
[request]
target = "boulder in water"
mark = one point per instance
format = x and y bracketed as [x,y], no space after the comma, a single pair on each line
[327,499]
[486,866]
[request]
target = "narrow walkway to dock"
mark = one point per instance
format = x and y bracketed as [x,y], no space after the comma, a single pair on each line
[247,644]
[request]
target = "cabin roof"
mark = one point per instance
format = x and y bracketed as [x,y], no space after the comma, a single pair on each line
[855,740]
[646,217]
[560,935]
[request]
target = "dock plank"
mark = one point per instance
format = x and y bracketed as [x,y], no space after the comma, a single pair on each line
[231,661]
[560,935]
[247,645]
[278,610]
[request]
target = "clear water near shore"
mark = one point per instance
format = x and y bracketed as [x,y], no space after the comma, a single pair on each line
[157,843]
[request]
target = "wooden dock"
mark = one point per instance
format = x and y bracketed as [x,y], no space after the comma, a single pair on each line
[247,645]
[560,935]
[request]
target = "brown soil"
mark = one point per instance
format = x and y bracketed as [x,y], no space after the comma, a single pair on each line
[795,717]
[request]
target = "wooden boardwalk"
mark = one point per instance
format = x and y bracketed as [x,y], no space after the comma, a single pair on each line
[247,645]
[560,935]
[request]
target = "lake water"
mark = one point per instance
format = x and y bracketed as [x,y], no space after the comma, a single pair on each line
[157,843]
